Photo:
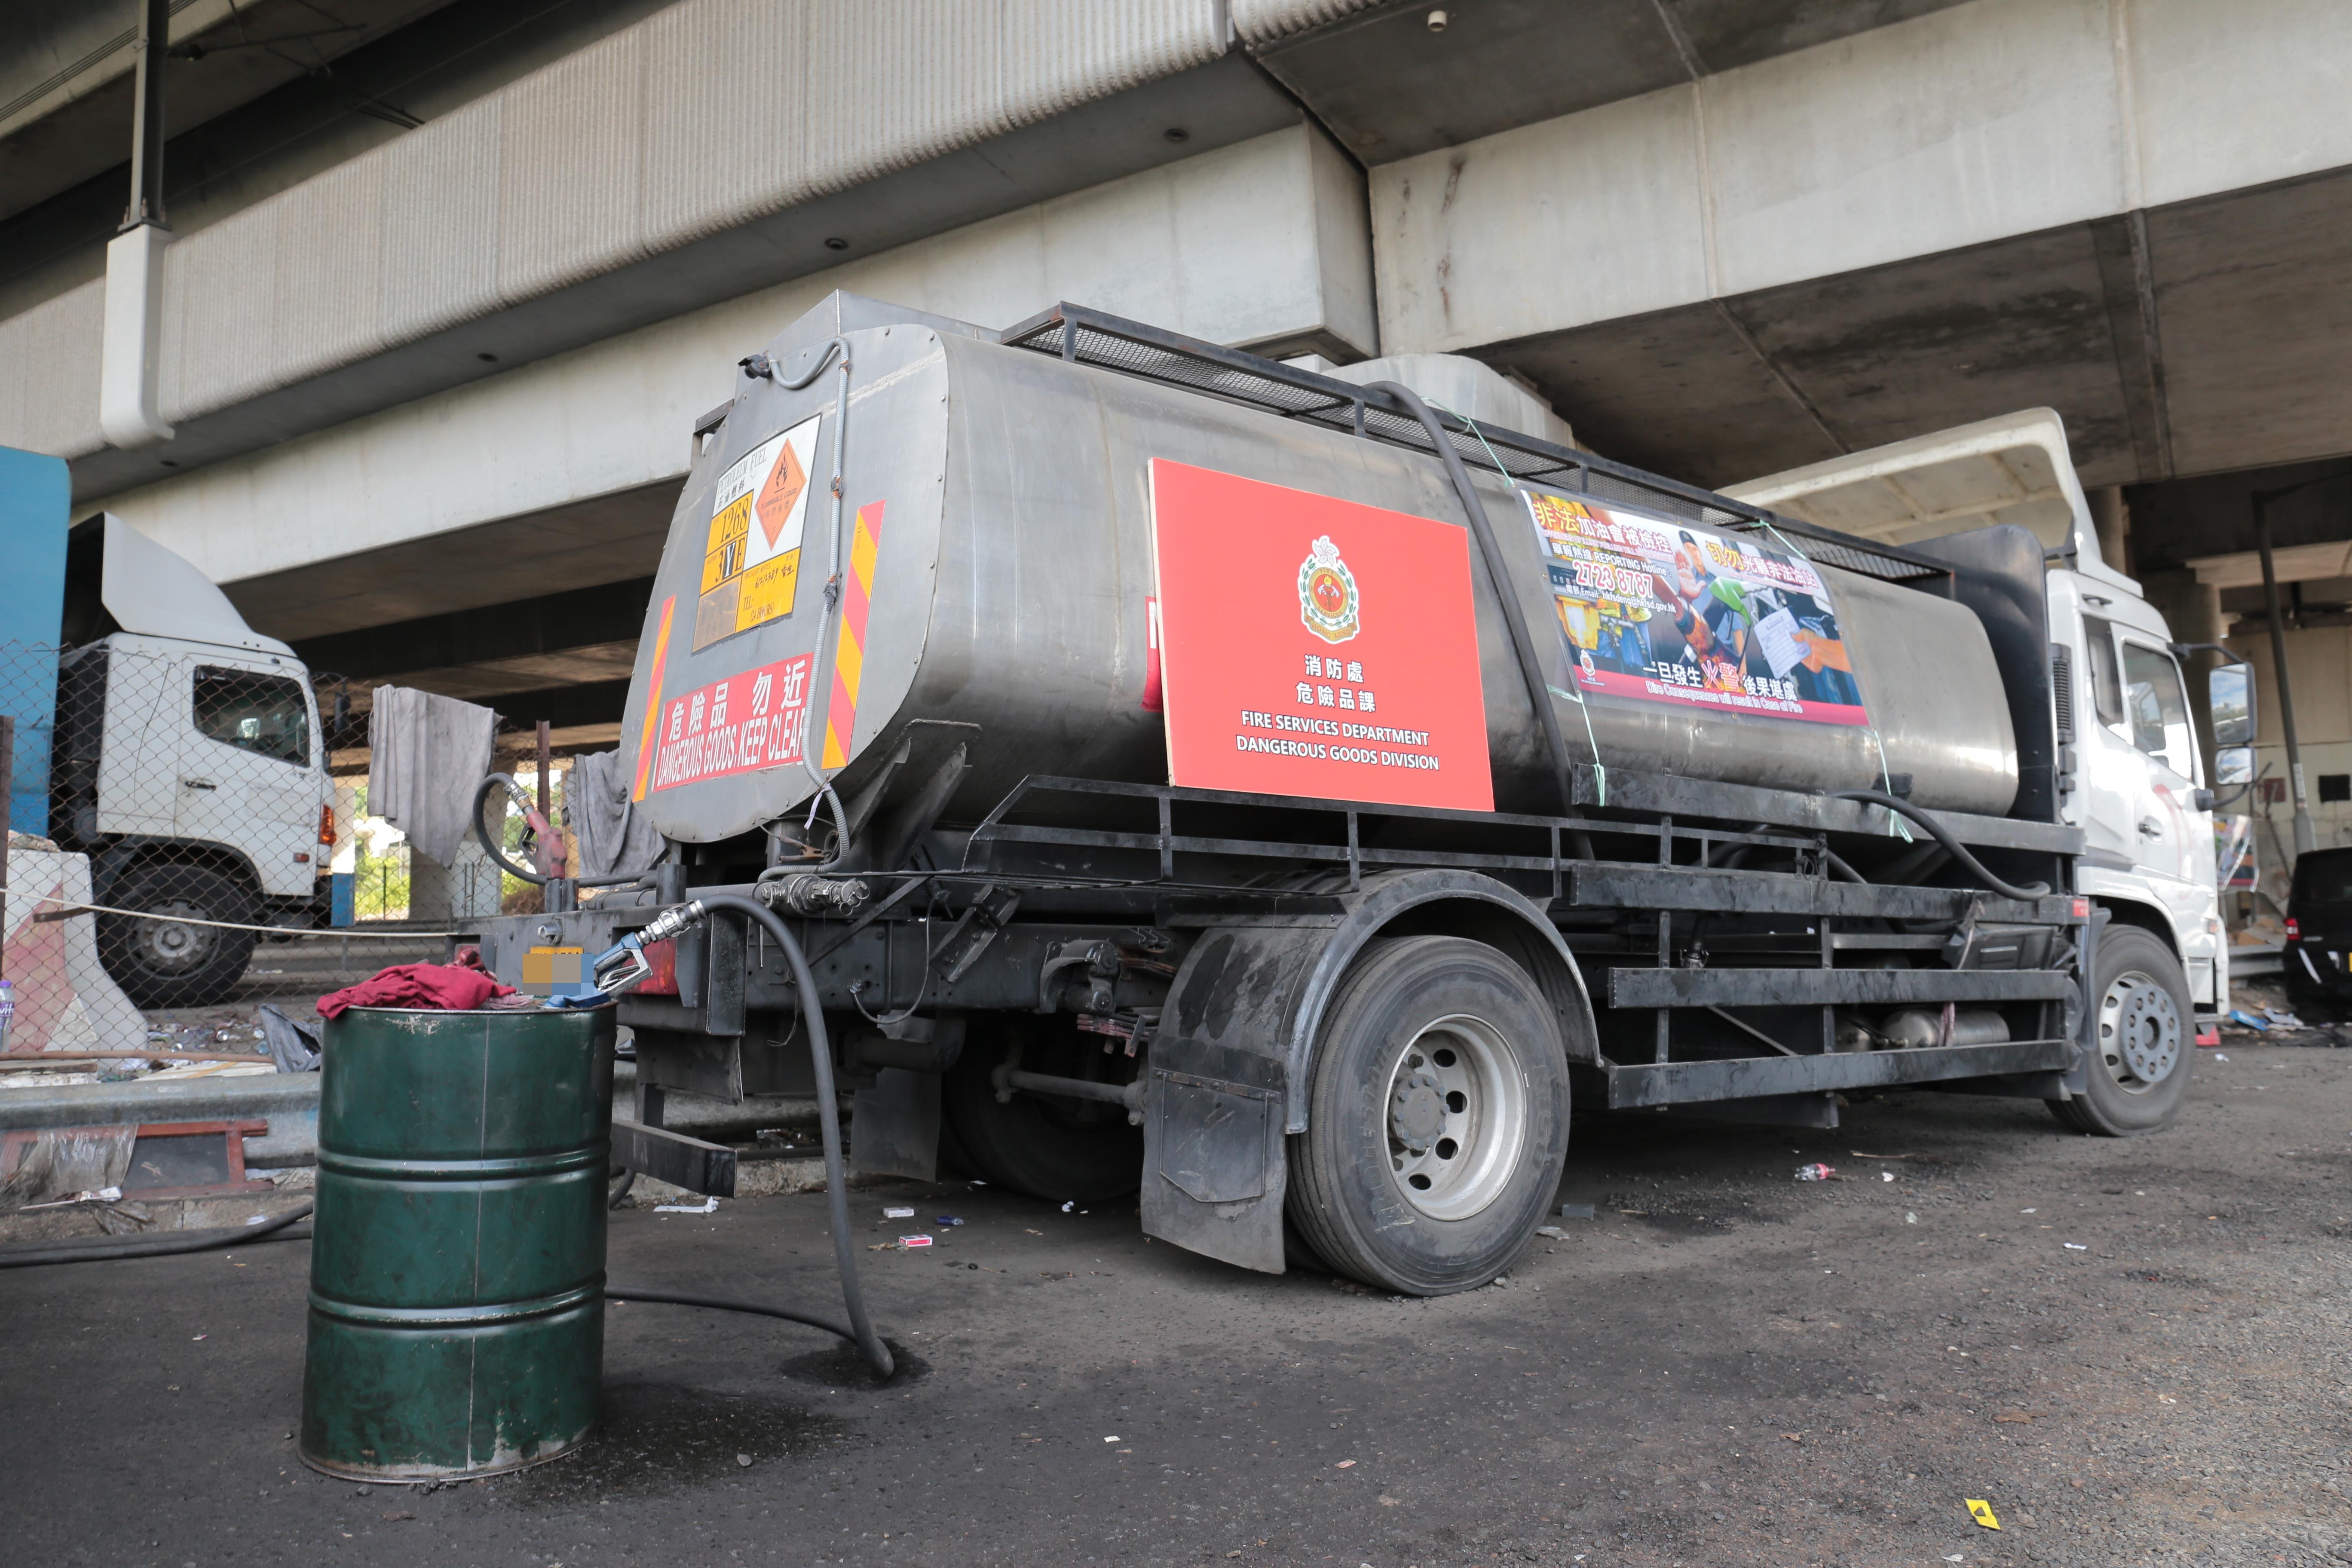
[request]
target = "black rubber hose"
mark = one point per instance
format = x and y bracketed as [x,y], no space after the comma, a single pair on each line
[149,1246]
[498,856]
[1952,846]
[1506,593]
[877,1354]
[730,1304]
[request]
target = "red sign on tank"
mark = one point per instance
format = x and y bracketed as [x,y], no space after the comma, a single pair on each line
[737,725]
[1314,647]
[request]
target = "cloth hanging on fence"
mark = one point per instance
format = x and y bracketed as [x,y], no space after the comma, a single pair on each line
[614,837]
[426,755]
[444,986]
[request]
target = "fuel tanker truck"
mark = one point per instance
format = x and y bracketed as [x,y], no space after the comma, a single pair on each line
[1125,764]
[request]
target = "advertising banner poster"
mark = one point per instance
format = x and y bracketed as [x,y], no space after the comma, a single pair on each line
[1313,646]
[1660,612]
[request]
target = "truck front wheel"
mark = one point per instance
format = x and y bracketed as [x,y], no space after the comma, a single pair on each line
[159,959]
[2142,1040]
[1437,1118]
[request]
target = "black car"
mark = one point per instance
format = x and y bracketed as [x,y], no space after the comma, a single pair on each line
[2319,933]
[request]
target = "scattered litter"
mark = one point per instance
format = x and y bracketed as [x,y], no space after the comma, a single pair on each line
[950,1219]
[2013,1418]
[2029,1211]
[2076,1247]
[895,1213]
[2246,1020]
[1552,1231]
[1345,1465]
[1859,1155]
[708,1206]
[2282,1020]
[1110,1439]
[201,1337]
[914,1241]
[1068,1207]
[1910,1218]
[744,1460]
[396,1515]
[1981,1512]
[1032,1232]
[1576,1211]
[1886,1176]
[2220,1055]
[1815,1173]
[257,1219]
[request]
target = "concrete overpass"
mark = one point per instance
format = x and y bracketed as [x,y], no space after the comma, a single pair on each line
[431,386]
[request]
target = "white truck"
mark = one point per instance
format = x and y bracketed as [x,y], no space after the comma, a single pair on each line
[2129,773]
[189,764]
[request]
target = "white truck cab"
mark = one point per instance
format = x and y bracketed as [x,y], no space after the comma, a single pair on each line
[2130,775]
[191,767]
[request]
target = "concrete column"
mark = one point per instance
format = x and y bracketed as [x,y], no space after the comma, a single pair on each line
[2112,518]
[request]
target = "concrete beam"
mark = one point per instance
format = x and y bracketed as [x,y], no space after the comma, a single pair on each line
[563,474]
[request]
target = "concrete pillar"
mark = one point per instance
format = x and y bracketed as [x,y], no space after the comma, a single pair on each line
[2112,518]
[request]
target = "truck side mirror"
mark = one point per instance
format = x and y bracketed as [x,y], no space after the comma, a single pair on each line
[2234,766]
[2230,698]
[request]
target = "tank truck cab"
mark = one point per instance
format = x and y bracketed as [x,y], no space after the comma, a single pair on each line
[2130,773]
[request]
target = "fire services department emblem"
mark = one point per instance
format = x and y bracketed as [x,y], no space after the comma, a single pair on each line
[1327,594]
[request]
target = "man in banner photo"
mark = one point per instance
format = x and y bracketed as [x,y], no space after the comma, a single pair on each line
[1662,611]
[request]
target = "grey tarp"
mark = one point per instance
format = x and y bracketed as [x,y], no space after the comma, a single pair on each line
[613,838]
[427,754]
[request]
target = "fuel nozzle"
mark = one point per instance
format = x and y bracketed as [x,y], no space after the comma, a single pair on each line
[623,967]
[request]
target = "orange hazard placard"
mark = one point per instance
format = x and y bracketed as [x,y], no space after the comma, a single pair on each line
[1314,647]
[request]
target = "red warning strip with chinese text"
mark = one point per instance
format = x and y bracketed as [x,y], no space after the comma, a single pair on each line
[738,725]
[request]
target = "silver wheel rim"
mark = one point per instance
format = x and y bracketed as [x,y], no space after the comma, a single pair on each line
[1458,1117]
[168,947]
[2139,1031]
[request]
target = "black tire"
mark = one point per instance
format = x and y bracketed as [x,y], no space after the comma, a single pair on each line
[1432,1044]
[1065,1151]
[162,964]
[2147,1036]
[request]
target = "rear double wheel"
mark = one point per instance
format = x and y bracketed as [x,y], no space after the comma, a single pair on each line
[2141,1041]
[1437,1118]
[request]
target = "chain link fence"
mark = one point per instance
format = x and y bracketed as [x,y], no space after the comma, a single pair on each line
[189,830]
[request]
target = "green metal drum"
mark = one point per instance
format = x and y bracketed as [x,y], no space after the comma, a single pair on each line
[457,1274]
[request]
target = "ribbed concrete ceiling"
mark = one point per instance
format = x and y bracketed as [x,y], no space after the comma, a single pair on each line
[1390,87]
[2228,359]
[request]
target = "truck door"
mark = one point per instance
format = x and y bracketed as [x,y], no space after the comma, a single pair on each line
[2148,777]
[250,775]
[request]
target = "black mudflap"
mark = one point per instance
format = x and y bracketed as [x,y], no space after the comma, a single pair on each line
[1213,1172]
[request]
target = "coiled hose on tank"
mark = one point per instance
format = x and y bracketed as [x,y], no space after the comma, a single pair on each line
[1952,846]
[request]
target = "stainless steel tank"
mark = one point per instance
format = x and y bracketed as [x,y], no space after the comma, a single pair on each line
[1000,562]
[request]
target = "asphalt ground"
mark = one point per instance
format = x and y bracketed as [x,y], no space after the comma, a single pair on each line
[1724,1366]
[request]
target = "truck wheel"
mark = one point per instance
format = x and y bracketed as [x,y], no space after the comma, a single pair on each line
[1437,1118]
[165,964]
[1064,1150]
[2138,1069]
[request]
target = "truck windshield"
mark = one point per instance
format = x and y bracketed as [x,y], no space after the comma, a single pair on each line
[2159,713]
[255,712]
